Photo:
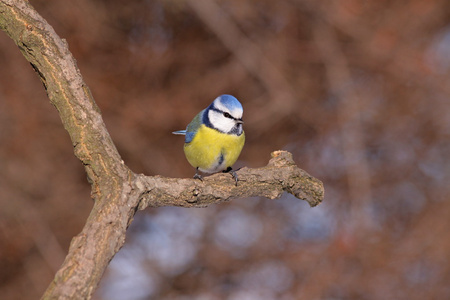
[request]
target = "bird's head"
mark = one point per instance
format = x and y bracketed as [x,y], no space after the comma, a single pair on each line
[225,115]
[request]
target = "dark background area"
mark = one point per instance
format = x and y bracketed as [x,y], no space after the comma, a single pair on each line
[358,91]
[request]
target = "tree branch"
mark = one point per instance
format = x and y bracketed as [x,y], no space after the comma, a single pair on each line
[117,191]
[279,176]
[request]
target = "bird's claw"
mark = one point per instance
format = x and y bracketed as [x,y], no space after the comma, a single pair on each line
[198,176]
[233,173]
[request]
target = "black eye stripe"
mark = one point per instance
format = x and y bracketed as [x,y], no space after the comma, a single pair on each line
[227,115]
[237,128]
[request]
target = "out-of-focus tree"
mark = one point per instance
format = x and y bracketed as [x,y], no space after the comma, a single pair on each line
[356,90]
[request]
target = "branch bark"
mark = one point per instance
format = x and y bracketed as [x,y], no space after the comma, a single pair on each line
[118,192]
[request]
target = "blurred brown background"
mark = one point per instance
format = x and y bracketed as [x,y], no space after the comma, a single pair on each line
[358,91]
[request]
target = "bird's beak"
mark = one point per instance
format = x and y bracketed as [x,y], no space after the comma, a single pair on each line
[239,121]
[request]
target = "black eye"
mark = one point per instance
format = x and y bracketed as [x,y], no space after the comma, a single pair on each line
[227,115]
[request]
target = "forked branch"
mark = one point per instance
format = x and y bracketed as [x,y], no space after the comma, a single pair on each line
[117,191]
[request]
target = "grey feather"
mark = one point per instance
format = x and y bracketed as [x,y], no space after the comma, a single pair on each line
[192,128]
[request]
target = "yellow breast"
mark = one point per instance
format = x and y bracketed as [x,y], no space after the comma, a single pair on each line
[212,151]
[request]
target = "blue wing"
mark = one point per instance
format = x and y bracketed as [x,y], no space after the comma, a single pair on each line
[192,128]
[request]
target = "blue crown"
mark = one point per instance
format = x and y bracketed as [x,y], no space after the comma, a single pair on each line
[231,102]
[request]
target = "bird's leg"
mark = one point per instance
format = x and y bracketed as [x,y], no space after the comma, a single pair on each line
[198,176]
[232,172]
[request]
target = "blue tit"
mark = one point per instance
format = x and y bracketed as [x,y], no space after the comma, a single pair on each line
[215,137]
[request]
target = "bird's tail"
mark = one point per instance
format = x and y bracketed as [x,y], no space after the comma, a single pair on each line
[180,132]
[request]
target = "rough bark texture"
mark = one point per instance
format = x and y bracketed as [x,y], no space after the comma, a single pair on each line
[117,191]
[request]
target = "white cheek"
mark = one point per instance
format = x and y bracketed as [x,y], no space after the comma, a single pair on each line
[225,124]
[220,122]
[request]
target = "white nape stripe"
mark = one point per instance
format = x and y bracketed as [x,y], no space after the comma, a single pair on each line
[235,113]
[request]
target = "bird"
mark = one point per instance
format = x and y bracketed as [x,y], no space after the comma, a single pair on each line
[215,137]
